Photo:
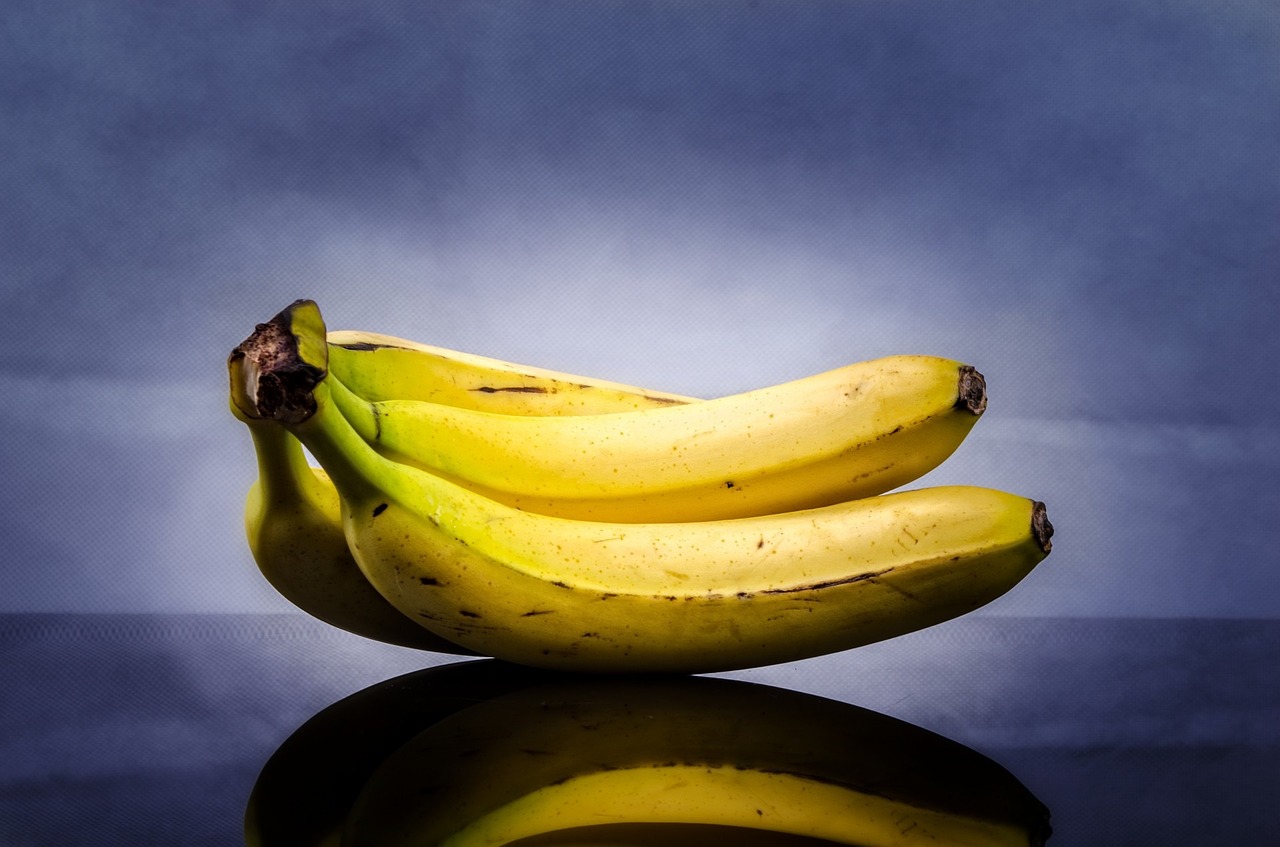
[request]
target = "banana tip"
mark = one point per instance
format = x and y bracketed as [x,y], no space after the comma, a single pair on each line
[1040,526]
[272,375]
[973,391]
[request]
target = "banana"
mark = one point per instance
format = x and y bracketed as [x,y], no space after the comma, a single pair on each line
[292,516]
[384,367]
[850,432]
[557,761]
[293,522]
[683,597]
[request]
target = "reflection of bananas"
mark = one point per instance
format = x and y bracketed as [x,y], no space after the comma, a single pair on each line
[292,514]
[304,790]
[484,753]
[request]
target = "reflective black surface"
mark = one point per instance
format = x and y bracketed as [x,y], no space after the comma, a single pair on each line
[154,729]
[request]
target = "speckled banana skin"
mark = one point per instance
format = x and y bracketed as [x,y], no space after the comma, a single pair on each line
[292,516]
[561,757]
[293,523]
[850,432]
[685,597]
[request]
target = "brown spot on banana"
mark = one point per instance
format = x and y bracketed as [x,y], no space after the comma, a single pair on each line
[511,389]
[818,586]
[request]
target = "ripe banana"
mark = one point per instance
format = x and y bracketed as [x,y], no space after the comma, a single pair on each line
[851,432]
[292,515]
[383,367]
[552,762]
[685,597]
[293,522]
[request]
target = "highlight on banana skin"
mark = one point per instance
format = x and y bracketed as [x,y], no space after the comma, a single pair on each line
[472,506]
[483,752]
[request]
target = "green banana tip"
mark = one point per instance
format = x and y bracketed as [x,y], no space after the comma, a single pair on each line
[275,370]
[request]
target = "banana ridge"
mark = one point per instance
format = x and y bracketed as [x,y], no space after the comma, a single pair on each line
[384,367]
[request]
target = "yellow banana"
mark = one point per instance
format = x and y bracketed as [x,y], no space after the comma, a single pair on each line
[384,367]
[292,515]
[688,597]
[293,522]
[851,432]
[556,761]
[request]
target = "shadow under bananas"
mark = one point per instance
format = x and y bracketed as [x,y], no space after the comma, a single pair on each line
[482,752]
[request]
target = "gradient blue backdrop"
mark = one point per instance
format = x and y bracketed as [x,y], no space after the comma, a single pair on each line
[1082,199]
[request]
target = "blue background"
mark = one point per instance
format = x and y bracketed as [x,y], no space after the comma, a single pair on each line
[1080,199]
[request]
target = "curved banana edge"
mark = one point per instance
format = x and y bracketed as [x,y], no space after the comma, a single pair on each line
[667,835]
[578,751]
[383,367]
[733,798]
[851,432]
[305,788]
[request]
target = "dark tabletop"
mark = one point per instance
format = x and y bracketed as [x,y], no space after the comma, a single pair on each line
[153,729]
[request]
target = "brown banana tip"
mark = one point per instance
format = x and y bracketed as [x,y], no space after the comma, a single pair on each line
[1040,526]
[270,378]
[973,391]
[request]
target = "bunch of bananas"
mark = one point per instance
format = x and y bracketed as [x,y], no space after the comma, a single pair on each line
[473,506]
[481,752]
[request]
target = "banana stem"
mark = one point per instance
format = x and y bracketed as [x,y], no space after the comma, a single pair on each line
[357,470]
[281,388]
[284,473]
[359,412]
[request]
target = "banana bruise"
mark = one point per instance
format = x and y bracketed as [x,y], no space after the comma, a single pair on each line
[383,367]
[851,432]
[681,597]
[547,761]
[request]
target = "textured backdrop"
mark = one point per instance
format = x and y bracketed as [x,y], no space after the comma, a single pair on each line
[1080,199]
